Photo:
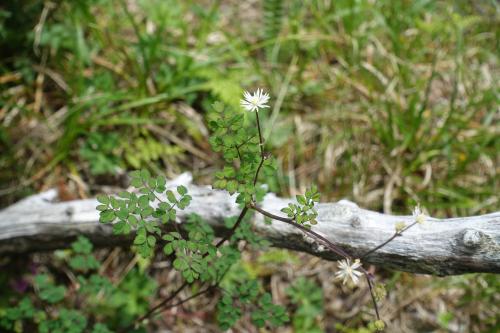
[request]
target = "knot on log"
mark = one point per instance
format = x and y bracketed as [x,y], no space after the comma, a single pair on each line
[473,238]
[69,211]
[355,221]
[475,241]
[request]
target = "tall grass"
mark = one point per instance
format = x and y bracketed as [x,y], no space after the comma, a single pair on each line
[388,103]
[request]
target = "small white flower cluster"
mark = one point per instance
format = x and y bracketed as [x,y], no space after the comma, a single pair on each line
[419,216]
[255,101]
[349,271]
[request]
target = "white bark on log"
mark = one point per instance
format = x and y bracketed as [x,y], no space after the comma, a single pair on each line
[439,247]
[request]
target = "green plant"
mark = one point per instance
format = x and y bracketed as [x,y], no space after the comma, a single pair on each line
[307,297]
[99,152]
[50,310]
[192,248]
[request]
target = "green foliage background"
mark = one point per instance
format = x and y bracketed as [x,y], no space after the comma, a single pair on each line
[387,103]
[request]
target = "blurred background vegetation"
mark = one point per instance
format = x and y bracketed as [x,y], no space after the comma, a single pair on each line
[386,103]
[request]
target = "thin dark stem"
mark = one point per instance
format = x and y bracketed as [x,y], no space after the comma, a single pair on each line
[239,154]
[261,139]
[368,279]
[235,226]
[245,142]
[156,307]
[213,286]
[396,234]
[308,231]
[258,170]
[182,301]
[261,145]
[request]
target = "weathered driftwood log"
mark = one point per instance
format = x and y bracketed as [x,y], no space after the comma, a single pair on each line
[439,247]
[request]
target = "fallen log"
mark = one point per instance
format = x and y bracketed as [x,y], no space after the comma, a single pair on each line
[439,246]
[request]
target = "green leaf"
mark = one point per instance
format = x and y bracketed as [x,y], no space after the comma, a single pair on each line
[229,172]
[101,328]
[132,220]
[171,196]
[147,212]
[102,207]
[114,203]
[140,239]
[182,190]
[48,291]
[180,264]
[151,183]
[143,201]
[53,294]
[171,236]
[118,228]
[164,206]
[107,216]
[145,175]
[135,174]
[122,213]
[151,241]
[161,181]
[136,182]
[172,215]
[232,186]
[301,199]
[184,202]
[168,249]
[82,245]
[124,195]
[102,198]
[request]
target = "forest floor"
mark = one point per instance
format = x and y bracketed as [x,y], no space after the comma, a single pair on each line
[385,103]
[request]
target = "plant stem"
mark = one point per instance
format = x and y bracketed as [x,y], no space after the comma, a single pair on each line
[396,234]
[308,231]
[235,226]
[184,300]
[216,284]
[261,139]
[370,287]
[261,145]
[156,307]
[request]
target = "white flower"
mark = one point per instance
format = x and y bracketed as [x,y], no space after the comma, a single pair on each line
[348,271]
[419,215]
[255,101]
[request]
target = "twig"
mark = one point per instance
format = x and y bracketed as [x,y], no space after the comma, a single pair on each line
[370,287]
[261,146]
[306,230]
[396,234]
[235,226]
[184,300]
[155,308]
